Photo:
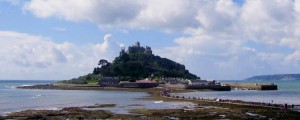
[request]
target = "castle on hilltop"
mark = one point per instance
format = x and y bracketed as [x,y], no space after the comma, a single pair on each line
[136,48]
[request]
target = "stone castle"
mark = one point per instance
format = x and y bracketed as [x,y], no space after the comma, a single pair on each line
[136,49]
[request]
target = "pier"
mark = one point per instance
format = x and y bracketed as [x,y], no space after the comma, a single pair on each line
[252,86]
[210,87]
[167,93]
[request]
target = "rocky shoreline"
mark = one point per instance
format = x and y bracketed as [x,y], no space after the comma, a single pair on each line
[201,110]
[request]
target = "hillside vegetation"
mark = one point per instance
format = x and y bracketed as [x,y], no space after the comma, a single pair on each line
[139,66]
[134,66]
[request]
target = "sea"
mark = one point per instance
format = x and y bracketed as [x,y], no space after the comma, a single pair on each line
[288,93]
[13,99]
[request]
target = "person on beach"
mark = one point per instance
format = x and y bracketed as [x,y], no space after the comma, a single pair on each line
[285,106]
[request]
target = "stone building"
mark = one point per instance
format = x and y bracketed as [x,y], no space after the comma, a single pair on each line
[199,82]
[136,48]
[109,81]
[170,80]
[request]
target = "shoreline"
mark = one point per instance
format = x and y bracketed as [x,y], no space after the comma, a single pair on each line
[214,111]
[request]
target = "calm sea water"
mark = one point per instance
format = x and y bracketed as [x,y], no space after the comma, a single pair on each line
[12,99]
[288,92]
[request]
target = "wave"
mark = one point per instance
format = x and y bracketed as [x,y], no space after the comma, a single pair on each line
[10,87]
[25,85]
[37,96]
[53,108]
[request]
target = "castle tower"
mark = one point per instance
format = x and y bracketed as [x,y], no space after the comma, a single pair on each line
[137,44]
[137,48]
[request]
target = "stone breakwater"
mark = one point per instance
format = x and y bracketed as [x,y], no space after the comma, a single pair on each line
[252,86]
[209,87]
[284,107]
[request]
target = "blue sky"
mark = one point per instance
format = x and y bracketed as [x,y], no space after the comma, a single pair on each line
[15,18]
[219,39]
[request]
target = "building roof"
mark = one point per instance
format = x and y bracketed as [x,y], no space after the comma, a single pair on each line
[146,81]
[199,80]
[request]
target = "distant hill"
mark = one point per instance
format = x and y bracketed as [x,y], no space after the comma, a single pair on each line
[136,63]
[276,77]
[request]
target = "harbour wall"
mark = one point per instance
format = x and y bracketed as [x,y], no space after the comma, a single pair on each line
[211,87]
[198,87]
[252,86]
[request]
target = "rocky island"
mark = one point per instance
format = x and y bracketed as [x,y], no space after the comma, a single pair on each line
[137,69]
[135,63]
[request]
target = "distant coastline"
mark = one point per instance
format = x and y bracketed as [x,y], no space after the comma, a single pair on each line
[275,77]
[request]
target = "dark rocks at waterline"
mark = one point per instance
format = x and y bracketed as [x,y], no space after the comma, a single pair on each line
[46,86]
[61,87]
[99,106]
[252,86]
[66,113]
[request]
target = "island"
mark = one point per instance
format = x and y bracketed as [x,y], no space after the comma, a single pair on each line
[137,69]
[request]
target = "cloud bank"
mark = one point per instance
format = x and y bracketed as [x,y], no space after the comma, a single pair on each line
[222,39]
[166,15]
[23,55]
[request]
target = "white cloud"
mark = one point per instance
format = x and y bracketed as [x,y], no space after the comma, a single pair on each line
[167,14]
[217,33]
[293,58]
[100,12]
[25,56]
[219,48]
[109,47]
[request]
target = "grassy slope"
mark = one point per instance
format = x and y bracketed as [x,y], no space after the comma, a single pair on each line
[90,79]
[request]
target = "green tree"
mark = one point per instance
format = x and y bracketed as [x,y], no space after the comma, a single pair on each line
[102,62]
